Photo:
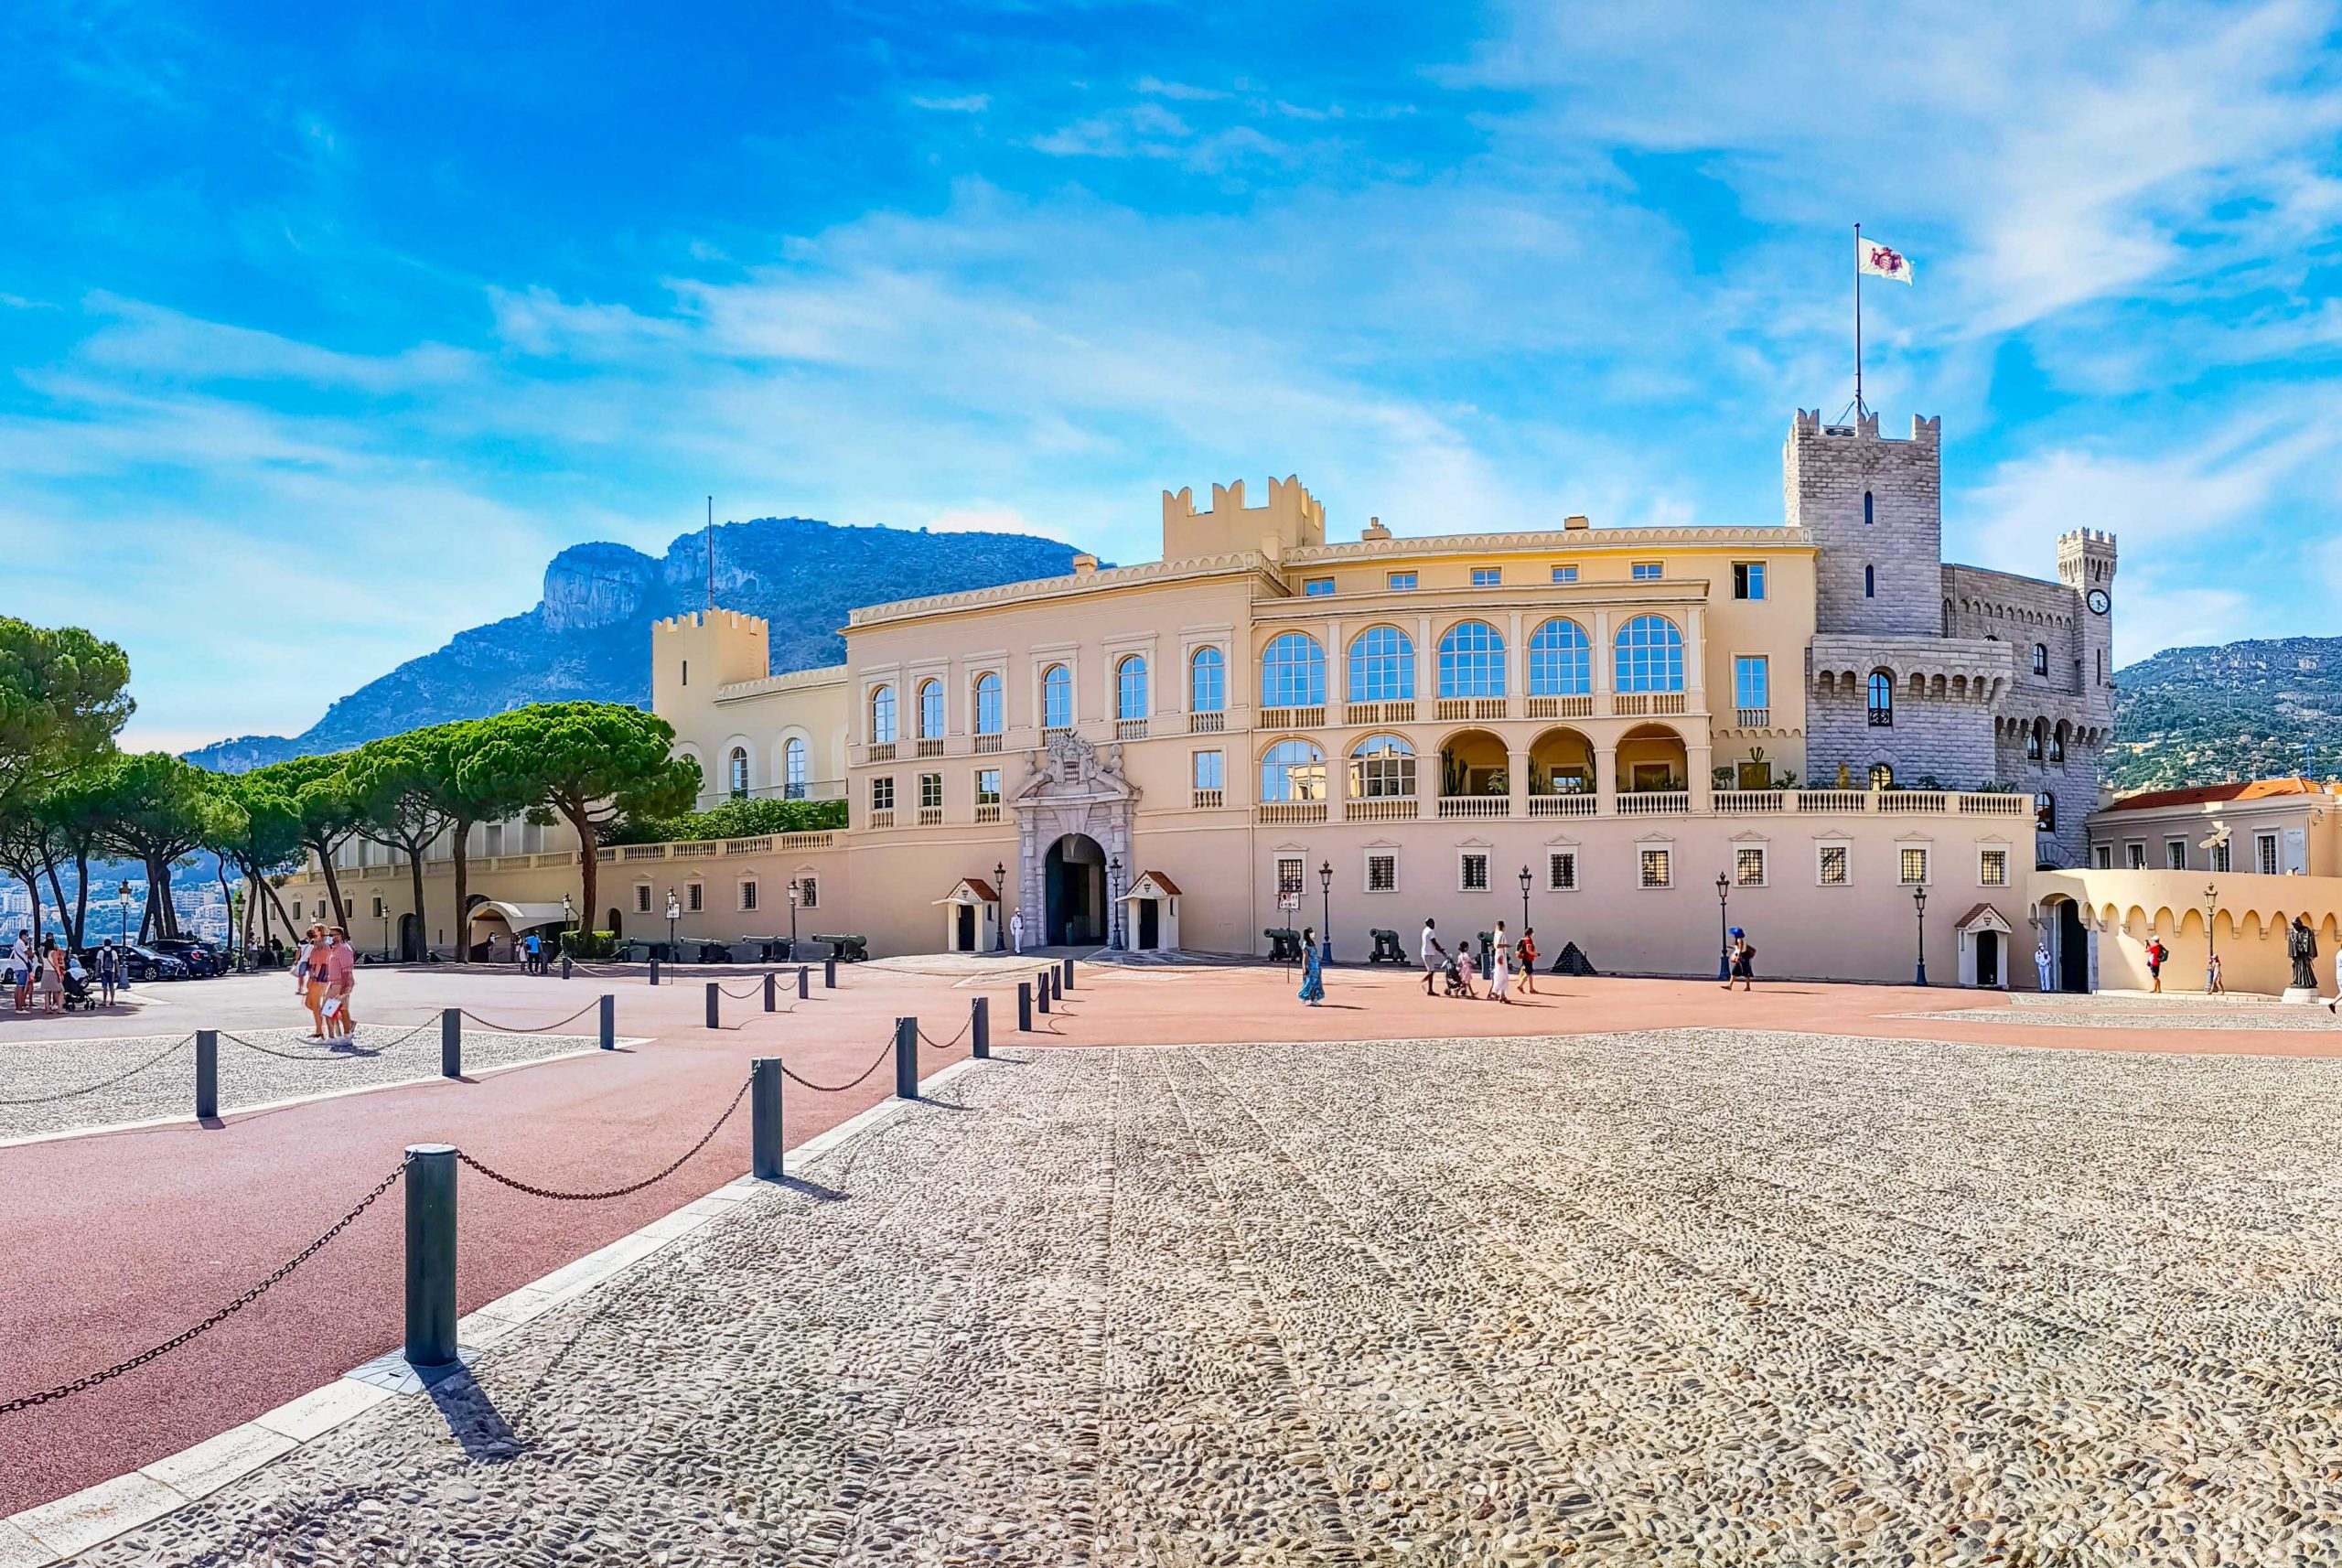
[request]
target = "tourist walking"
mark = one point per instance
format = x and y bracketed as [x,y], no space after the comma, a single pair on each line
[1313,971]
[1464,969]
[1740,962]
[2155,954]
[20,971]
[109,969]
[341,978]
[2041,963]
[1434,956]
[53,978]
[1525,951]
[309,981]
[1500,969]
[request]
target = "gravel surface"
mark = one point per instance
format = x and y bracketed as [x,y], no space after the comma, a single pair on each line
[2192,1015]
[1690,1297]
[66,1081]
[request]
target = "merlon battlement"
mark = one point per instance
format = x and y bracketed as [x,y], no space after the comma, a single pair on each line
[1926,430]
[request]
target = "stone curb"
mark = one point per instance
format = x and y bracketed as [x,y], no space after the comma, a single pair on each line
[55,1533]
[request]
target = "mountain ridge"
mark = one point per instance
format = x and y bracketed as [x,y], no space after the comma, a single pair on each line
[2223,713]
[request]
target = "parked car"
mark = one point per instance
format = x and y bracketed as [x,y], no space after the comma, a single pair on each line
[202,959]
[140,963]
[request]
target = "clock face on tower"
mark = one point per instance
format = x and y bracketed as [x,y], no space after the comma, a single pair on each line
[2099,602]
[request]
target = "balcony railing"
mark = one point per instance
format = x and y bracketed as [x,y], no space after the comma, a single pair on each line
[1995,805]
[1398,711]
[931,746]
[642,852]
[1470,708]
[1293,718]
[1206,800]
[1050,732]
[882,817]
[1742,801]
[879,751]
[930,816]
[1130,729]
[1578,706]
[1475,805]
[1385,809]
[1206,724]
[1289,812]
[1655,803]
[988,815]
[1561,805]
[1754,718]
[749,846]
[1832,800]
[1912,802]
[693,849]
[1645,705]
[988,741]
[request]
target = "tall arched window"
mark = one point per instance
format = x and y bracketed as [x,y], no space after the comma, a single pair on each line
[1649,655]
[792,768]
[1208,681]
[1881,777]
[2041,658]
[1471,660]
[1561,661]
[1382,767]
[882,717]
[1130,688]
[1293,770]
[1882,699]
[930,710]
[737,766]
[2035,735]
[1869,581]
[2044,811]
[2058,744]
[1293,671]
[988,712]
[1383,666]
[1870,513]
[1056,697]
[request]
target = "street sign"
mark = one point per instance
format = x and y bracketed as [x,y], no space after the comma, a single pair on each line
[1288,902]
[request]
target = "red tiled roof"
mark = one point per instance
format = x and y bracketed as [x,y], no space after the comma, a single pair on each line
[2203,794]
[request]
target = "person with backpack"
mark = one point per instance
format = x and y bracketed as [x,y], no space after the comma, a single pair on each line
[2156,954]
[534,945]
[1741,966]
[1525,951]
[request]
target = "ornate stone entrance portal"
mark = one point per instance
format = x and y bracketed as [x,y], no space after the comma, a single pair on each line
[1075,792]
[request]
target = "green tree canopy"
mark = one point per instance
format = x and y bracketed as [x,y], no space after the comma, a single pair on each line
[63,697]
[594,764]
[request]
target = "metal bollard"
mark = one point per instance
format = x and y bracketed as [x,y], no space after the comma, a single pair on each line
[764,1118]
[609,1022]
[451,1042]
[980,1027]
[565,966]
[207,1075]
[1069,976]
[1042,992]
[714,1004]
[772,992]
[430,1254]
[829,973]
[1024,1006]
[907,1059]
[804,981]
[654,969]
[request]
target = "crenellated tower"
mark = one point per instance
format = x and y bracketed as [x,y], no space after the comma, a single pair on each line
[1874,506]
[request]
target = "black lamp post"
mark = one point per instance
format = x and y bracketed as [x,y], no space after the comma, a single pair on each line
[1724,934]
[1920,912]
[795,893]
[1113,896]
[2211,953]
[1325,910]
[1000,909]
[1524,900]
[125,914]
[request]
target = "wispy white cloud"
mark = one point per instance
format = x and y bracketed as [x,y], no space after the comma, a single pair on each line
[962,104]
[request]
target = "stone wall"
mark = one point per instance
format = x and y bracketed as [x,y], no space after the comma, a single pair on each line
[1952,742]
[1826,472]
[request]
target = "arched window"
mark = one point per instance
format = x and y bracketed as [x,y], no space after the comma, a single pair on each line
[1056,697]
[1882,699]
[1869,581]
[2058,744]
[1293,671]
[1471,660]
[792,768]
[2044,813]
[1649,655]
[1382,768]
[988,712]
[930,710]
[2035,735]
[737,766]
[1881,777]
[1870,513]
[1561,661]
[1207,682]
[882,717]
[1130,688]
[1383,666]
[2041,658]
[1293,770]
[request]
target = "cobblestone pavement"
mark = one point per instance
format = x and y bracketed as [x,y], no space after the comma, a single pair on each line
[57,1086]
[1677,1297]
[2196,1013]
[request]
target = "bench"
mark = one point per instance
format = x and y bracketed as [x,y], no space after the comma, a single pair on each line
[846,949]
[1386,948]
[1284,944]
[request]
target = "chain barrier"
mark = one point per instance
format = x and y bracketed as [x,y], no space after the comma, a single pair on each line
[533,1029]
[109,1083]
[519,1186]
[356,1052]
[935,1045]
[26,1402]
[756,989]
[883,1052]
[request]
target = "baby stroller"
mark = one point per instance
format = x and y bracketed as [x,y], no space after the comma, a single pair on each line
[77,988]
[1452,976]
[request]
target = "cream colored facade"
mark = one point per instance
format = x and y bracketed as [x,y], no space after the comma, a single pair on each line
[1407,727]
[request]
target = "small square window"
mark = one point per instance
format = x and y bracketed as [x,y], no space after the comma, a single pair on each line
[881,794]
[1382,874]
[1399,580]
[808,893]
[1487,576]
[1993,868]
[1833,866]
[1317,587]
[1748,867]
[1565,573]
[1561,871]
[694,897]
[748,894]
[1472,873]
[1658,867]
[1913,863]
[1748,580]
[1289,874]
[1211,769]
[1647,571]
[642,898]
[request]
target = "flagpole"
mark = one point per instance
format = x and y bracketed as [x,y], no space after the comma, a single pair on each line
[711,546]
[1859,409]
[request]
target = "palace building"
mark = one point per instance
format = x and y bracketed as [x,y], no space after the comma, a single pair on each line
[1815,728]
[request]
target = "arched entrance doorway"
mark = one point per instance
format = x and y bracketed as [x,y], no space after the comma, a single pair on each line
[1073,892]
[409,939]
[2069,946]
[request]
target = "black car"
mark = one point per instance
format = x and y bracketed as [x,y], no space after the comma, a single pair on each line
[145,963]
[202,961]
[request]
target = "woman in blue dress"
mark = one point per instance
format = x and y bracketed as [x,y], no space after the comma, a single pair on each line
[1313,978]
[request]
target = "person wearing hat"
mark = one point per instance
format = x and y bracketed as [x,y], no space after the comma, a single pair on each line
[1743,967]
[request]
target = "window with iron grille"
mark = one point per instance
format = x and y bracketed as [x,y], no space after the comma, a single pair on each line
[1882,700]
[808,892]
[1561,871]
[1382,874]
[1472,873]
[694,897]
[642,898]
[1993,868]
[748,894]
[1658,867]
[1914,864]
[1748,866]
[1833,866]
[1289,871]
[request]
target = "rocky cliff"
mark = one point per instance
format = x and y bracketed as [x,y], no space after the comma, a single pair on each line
[2242,710]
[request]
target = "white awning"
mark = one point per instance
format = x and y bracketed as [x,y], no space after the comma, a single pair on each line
[520,917]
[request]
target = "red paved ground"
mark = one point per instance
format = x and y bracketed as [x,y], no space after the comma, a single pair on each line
[116,1241]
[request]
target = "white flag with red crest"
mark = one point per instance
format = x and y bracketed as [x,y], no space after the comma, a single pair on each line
[1881,261]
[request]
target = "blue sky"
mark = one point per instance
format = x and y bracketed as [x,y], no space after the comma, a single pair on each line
[325,326]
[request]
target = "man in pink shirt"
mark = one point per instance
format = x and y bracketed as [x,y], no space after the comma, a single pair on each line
[341,975]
